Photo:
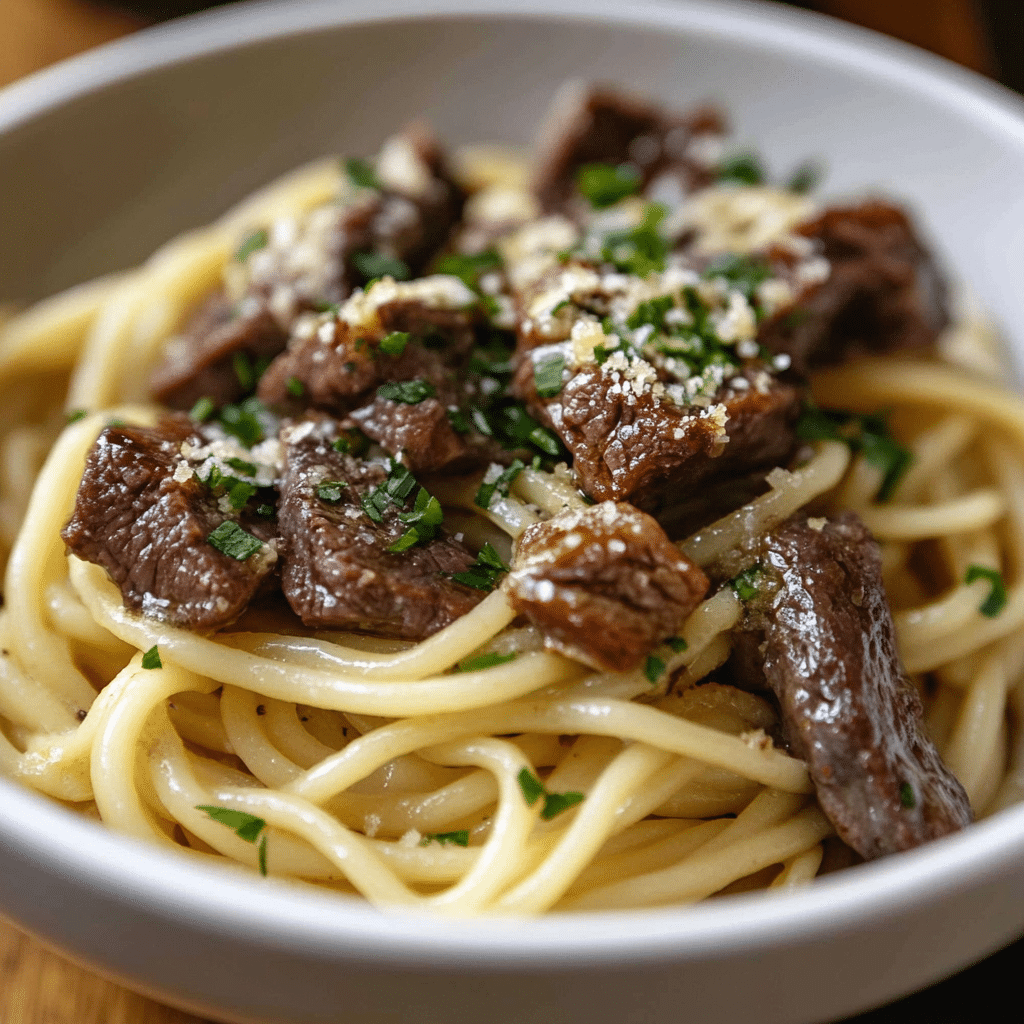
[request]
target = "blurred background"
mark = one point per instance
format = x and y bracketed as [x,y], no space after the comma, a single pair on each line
[37,987]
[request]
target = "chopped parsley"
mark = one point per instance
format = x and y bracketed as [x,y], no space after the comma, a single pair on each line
[500,484]
[868,434]
[265,511]
[408,392]
[372,265]
[677,643]
[247,371]
[394,343]
[547,375]
[486,661]
[459,838]
[393,491]
[242,466]
[485,572]
[742,169]
[330,490]
[469,267]
[252,243]
[295,387]
[361,173]
[243,421]
[654,669]
[554,803]
[744,273]
[996,600]
[459,420]
[806,178]
[639,250]
[231,540]
[746,583]
[908,798]
[239,492]
[245,826]
[151,659]
[605,184]
[424,519]
[203,409]
[75,416]
[533,789]
[650,311]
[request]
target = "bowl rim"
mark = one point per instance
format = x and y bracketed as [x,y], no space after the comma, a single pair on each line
[219,898]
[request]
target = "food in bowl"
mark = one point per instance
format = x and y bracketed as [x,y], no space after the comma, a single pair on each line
[517,544]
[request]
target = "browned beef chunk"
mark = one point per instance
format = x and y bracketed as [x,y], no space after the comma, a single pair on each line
[604,584]
[317,264]
[143,516]
[595,124]
[653,453]
[829,653]
[200,363]
[884,292]
[337,571]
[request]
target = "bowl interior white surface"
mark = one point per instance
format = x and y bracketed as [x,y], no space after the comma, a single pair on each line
[106,157]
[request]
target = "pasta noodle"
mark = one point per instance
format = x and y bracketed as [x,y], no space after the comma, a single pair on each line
[373,766]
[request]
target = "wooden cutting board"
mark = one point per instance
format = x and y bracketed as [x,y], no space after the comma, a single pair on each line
[36,985]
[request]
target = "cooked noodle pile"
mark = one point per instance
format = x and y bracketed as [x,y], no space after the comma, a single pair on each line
[374,766]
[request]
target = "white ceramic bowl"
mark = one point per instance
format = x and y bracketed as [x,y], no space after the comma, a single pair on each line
[104,157]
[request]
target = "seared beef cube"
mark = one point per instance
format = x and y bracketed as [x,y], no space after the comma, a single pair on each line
[142,515]
[201,362]
[883,294]
[337,362]
[630,441]
[594,124]
[604,584]
[338,571]
[829,653]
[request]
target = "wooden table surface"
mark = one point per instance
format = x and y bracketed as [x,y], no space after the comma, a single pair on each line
[36,985]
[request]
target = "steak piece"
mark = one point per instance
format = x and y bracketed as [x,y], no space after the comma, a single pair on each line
[142,514]
[884,292]
[829,652]
[302,265]
[604,584]
[629,443]
[596,124]
[337,570]
[200,362]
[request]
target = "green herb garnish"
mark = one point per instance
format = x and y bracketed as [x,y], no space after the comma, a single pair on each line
[372,265]
[744,273]
[459,838]
[243,421]
[245,826]
[393,344]
[295,387]
[408,392]
[203,410]
[393,491]
[330,490]
[501,484]
[908,798]
[533,789]
[651,311]
[996,600]
[677,643]
[486,661]
[252,243]
[265,511]
[743,169]
[605,184]
[654,668]
[151,659]
[75,416]
[469,267]
[424,519]
[485,572]
[746,583]
[806,178]
[361,173]
[231,540]
[555,803]
[639,250]
[547,375]
[242,466]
